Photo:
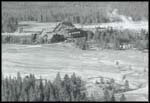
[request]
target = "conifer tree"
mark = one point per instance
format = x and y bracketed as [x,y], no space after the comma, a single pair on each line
[26,89]
[112,81]
[122,98]
[67,86]
[19,86]
[126,85]
[31,94]
[113,97]
[58,87]
[73,78]
[7,89]
[51,88]
[106,95]
[73,86]
[102,80]
[46,91]
[37,95]
[57,82]
[92,98]
[41,90]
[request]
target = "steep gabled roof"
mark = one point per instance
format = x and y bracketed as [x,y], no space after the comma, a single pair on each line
[68,24]
[63,25]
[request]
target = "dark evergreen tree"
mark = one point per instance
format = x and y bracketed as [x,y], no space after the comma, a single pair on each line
[57,82]
[67,86]
[102,80]
[41,90]
[31,89]
[58,87]
[126,85]
[122,98]
[106,95]
[113,98]
[51,88]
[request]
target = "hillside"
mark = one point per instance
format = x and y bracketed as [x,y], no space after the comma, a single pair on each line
[126,8]
[75,12]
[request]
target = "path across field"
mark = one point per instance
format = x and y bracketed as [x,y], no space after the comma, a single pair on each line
[48,60]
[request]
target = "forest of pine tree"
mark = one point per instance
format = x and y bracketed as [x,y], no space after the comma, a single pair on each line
[69,88]
[75,12]
[31,89]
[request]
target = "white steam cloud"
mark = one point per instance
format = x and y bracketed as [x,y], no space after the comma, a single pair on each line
[115,16]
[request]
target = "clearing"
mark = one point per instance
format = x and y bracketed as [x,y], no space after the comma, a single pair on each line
[49,59]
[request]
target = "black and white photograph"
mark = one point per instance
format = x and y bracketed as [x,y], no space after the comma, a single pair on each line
[93,51]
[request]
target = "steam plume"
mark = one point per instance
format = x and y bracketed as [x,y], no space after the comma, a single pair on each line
[115,16]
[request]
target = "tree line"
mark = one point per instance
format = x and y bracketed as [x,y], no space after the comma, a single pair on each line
[29,88]
[115,39]
[13,12]
[106,39]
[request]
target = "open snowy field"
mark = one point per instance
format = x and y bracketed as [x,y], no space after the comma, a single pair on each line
[49,59]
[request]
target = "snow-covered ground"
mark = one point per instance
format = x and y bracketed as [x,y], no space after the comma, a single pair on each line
[49,59]
[33,27]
